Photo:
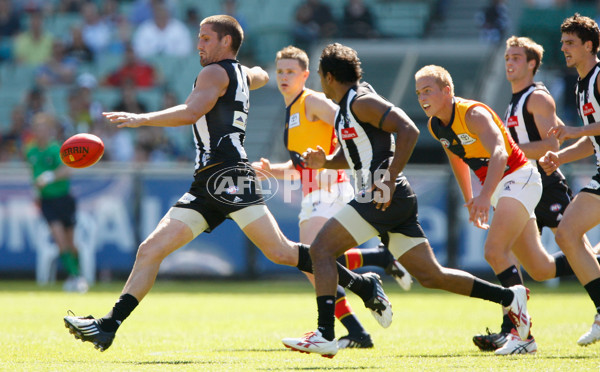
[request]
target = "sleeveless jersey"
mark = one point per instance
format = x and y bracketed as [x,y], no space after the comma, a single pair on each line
[588,104]
[219,135]
[367,148]
[522,127]
[457,138]
[300,134]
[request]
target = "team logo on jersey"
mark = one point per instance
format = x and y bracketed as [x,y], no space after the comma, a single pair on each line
[507,185]
[465,139]
[348,133]
[294,120]
[239,119]
[555,207]
[588,109]
[513,121]
[445,142]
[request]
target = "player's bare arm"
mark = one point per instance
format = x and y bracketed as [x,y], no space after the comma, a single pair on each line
[579,150]
[462,173]
[381,114]
[480,122]
[211,84]
[541,105]
[280,171]
[257,76]
[319,107]
[317,159]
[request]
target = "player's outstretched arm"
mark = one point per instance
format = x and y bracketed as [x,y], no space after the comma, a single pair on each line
[211,84]
[257,76]
[579,150]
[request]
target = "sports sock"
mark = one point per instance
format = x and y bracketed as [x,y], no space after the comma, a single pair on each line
[563,268]
[123,307]
[70,263]
[562,265]
[346,278]
[343,311]
[593,290]
[326,319]
[359,257]
[491,292]
[509,277]
[507,324]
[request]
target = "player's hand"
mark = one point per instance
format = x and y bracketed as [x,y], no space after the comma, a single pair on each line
[314,159]
[382,192]
[549,162]
[564,132]
[263,166]
[479,211]
[45,178]
[125,119]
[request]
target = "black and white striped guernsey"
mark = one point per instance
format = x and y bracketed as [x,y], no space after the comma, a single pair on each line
[366,147]
[588,104]
[521,125]
[219,135]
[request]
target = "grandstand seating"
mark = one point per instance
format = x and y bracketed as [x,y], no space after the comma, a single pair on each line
[543,26]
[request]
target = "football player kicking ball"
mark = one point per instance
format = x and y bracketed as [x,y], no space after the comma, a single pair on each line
[386,204]
[216,109]
[309,125]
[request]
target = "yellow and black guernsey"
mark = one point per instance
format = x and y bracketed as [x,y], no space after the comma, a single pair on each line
[301,134]
[457,138]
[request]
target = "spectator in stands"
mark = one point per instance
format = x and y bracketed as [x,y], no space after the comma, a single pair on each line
[230,8]
[96,32]
[77,118]
[192,19]
[77,48]
[35,102]
[162,35]
[59,69]
[153,145]
[493,22]
[34,45]
[358,22]
[13,142]
[70,6]
[129,99]
[87,112]
[141,10]
[133,70]
[179,137]
[10,19]
[121,28]
[313,21]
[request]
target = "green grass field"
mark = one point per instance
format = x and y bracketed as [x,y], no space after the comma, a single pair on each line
[237,326]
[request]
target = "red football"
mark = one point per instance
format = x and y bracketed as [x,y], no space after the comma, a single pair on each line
[82,150]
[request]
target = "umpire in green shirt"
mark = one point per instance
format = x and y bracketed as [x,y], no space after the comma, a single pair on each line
[51,179]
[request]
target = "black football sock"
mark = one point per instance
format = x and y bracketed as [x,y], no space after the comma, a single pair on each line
[123,307]
[593,290]
[509,277]
[346,278]
[507,324]
[326,320]
[563,268]
[304,261]
[346,316]
[491,292]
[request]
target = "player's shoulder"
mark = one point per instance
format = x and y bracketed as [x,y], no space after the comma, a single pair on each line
[540,99]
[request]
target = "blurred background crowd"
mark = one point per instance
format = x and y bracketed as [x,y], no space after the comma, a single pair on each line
[74,59]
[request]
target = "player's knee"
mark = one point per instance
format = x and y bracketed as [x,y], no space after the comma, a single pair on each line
[564,236]
[149,252]
[430,279]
